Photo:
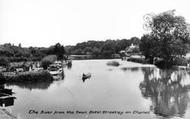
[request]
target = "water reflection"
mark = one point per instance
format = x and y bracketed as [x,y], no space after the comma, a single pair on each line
[132,69]
[69,65]
[167,90]
[33,85]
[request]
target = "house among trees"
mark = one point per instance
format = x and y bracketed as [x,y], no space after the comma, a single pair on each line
[132,49]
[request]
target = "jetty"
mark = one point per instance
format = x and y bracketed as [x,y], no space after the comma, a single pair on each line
[6,100]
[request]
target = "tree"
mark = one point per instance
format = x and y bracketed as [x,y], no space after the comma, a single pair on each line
[108,49]
[46,61]
[58,50]
[135,40]
[4,61]
[168,38]
[148,47]
[96,52]
[121,45]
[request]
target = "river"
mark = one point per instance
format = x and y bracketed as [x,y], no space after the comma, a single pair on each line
[129,91]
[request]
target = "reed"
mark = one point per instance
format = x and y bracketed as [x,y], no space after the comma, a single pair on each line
[26,77]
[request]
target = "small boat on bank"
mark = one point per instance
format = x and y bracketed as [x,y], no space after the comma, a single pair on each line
[56,72]
[6,98]
[53,70]
[6,91]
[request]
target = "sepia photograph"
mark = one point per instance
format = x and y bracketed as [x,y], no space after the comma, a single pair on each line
[94,59]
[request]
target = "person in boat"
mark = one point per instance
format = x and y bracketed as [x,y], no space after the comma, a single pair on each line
[85,76]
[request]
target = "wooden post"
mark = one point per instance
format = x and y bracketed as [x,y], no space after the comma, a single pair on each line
[62,69]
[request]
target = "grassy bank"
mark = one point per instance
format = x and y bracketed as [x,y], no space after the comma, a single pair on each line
[161,63]
[138,60]
[42,85]
[26,77]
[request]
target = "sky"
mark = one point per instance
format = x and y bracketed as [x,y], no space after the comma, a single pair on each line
[41,23]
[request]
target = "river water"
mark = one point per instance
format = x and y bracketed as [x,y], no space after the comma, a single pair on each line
[129,91]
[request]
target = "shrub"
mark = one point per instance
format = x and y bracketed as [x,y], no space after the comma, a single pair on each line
[138,60]
[46,61]
[29,77]
[4,61]
[113,63]
[162,64]
[2,78]
[180,61]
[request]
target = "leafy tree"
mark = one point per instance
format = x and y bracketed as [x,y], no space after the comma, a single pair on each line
[135,40]
[168,38]
[121,45]
[46,61]
[148,47]
[108,49]
[96,52]
[57,50]
[4,61]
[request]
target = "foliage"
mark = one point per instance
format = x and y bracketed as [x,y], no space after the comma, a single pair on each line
[18,53]
[46,61]
[180,61]
[29,77]
[108,49]
[148,46]
[168,37]
[57,50]
[138,60]
[2,78]
[4,61]
[11,50]
[101,49]
[97,49]
[113,63]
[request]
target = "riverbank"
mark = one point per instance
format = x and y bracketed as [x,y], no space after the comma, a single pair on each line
[138,60]
[161,64]
[32,76]
[5,114]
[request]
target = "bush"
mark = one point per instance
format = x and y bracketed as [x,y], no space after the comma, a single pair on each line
[113,63]
[17,59]
[138,60]
[2,78]
[162,64]
[4,61]
[180,61]
[29,77]
[46,61]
